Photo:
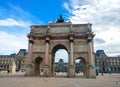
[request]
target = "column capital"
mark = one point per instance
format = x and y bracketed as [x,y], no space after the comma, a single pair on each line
[47,38]
[89,39]
[71,40]
[47,41]
[71,37]
[31,41]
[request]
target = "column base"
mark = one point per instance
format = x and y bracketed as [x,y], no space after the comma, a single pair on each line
[71,71]
[28,70]
[91,73]
[46,71]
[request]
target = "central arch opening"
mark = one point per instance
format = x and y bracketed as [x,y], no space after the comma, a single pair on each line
[59,63]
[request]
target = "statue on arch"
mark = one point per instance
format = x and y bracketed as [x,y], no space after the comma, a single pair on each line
[60,20]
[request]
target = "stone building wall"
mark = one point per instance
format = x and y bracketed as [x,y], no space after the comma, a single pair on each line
[13,62]
[6,63]
[107,64]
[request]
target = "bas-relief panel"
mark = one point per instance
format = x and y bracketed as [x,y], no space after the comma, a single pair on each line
[80,46]
[39,48]
[39,30]
[79,29]
[37,42]
[60,30]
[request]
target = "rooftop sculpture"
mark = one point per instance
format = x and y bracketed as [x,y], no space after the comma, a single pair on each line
[60,20]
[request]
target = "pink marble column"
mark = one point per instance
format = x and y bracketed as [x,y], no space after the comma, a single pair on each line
[90,49]
[30,47]
[91,65]
[46,50]
[71,50]
[71,53]
[90,53]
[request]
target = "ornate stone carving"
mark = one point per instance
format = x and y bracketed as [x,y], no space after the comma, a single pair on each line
[39,48]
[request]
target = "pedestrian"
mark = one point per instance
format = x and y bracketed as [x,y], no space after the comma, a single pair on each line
[8,71]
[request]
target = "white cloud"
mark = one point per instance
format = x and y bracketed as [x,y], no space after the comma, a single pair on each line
[105,17]
[66,6]
[12,22]
[15,24]
[11,44]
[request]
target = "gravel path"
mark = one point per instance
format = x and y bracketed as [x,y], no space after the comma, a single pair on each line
[18,80]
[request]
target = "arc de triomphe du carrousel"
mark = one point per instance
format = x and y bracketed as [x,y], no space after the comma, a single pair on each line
[45,40]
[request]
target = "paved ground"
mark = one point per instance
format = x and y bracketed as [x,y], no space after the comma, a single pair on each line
[18,80]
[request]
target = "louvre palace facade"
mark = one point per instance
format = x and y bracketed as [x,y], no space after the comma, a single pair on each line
[106,64]
[13,62]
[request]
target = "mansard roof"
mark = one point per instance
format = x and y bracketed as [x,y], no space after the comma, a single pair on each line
[99,52]
[24,51]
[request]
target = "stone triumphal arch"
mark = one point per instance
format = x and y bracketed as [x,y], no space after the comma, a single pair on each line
[45,40]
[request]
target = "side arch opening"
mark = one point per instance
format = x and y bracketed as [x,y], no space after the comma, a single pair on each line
[80,67]
[38,66]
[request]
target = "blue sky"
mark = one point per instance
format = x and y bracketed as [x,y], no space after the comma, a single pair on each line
[16,17]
